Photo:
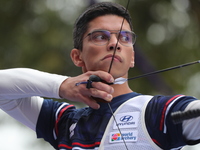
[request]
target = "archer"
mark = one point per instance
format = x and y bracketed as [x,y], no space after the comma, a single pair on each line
[142,121]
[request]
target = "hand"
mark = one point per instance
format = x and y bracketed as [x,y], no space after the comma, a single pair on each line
[80,93]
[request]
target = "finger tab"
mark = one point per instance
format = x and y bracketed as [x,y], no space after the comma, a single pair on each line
[89,84]
[93,78]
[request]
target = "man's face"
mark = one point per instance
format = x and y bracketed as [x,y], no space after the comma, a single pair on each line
[98,57]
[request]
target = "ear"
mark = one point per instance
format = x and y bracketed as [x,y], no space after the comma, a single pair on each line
[132,64]
[76,57]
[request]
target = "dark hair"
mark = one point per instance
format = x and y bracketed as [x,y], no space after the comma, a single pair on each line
[94,11]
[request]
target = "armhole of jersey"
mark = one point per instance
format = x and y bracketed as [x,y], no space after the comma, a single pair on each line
[156,147]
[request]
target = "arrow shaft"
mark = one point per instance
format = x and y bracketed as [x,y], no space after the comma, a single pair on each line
[164,70]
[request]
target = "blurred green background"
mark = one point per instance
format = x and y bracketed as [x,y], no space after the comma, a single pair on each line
[38,34]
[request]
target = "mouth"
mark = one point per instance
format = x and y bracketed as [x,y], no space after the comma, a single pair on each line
[110,56]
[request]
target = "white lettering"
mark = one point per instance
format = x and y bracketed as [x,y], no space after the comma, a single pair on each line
[128,136]
[126,123]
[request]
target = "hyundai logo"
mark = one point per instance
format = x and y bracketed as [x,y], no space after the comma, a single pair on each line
[126,118]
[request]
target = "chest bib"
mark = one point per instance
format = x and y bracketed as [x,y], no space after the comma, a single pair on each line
[129,118]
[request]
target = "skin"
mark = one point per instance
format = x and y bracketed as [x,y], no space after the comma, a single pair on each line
[95,59]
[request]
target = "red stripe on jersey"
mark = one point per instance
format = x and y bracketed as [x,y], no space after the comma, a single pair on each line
[79,144]
[65,146]
[86,145]
[164,111]
[155,141]
[59,116]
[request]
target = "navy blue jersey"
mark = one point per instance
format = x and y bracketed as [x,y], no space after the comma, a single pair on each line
[162,130]
[65,127]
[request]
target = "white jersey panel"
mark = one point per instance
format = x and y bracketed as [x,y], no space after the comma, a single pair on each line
[130,119]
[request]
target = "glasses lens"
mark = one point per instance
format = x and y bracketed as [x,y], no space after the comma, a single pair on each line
[127,38]
[100,37]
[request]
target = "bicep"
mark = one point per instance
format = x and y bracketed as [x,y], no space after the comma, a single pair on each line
[25,110]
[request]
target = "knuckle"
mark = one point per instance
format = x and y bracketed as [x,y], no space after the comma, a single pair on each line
[99,94]
[94,92]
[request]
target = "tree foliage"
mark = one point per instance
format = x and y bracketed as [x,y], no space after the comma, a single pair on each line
[168,35]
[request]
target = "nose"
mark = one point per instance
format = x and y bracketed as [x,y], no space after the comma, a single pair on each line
[114,47]
[114,43]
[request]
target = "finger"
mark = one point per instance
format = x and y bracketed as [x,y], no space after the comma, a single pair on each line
[101,94]
[103,87]
[104,76]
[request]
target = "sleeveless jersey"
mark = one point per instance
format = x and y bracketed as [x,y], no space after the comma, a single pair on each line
[132,132]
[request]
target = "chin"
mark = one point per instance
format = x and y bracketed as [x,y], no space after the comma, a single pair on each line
[115,72]
[118,75]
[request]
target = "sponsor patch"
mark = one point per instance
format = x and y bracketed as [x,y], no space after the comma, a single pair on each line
[129,136]
[126,120]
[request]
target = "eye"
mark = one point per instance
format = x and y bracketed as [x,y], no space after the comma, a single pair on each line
[99,36]
[126,37]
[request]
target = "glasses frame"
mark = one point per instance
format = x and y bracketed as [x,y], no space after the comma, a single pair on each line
[113,32]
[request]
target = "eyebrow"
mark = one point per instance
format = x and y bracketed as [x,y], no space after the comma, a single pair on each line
[108,30]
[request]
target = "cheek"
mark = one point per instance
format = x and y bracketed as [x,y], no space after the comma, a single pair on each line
[90,53]
[90,56]
[90,49]
[130,56]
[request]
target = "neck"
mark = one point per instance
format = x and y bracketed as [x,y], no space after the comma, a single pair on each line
[120,89]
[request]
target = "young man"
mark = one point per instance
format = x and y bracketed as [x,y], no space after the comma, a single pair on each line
[139,121]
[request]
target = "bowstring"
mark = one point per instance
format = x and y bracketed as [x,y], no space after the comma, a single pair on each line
[115,49]
[109,70]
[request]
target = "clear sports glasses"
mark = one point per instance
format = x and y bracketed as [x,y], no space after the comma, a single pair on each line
[101,37]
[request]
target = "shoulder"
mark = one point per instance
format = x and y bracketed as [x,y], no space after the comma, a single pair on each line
[49,117]
[160,107]
[175,102]
[158,119]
